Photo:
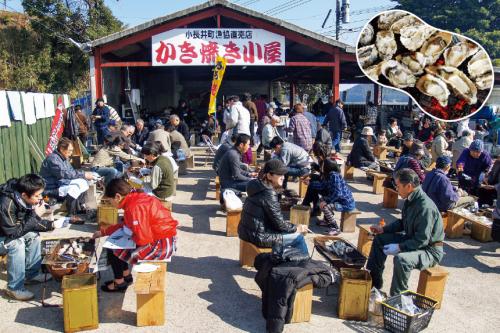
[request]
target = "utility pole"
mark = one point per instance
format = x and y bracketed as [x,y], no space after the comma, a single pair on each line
[337,19]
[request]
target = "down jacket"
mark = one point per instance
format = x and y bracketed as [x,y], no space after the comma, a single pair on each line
[57,171]
[261,222]
[16,218]
[279,283]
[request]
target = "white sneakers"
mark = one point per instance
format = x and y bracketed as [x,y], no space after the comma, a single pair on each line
[40,278]
[20,295]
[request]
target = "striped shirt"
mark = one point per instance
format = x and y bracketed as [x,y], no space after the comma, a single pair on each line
[301,129]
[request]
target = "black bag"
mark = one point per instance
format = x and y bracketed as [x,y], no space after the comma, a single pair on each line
[281,254]
[495,230]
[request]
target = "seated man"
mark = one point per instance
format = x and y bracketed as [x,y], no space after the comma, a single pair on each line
[439,188]
[413,160]
[472,166]
[231,173]
[415,240]
[19,227]
[295,158]
[176,136]
[408,141]
[361,155]
[270,131]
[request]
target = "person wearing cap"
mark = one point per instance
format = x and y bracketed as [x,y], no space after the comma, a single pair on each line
[335,118]
[438,187]
[472,166]
[301,128]
[415,240]
[295,158]
[101,117]
[413,160]
[361,155]
[159,134]
[262,222]
[439,144]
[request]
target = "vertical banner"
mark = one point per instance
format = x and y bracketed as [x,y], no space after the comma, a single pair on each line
[57,128]
[220,68]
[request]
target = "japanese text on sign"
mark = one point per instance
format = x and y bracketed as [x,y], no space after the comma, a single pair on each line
[245,47]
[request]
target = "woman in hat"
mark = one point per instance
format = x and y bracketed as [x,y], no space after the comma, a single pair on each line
[472,165]
[262,223]
[361,155]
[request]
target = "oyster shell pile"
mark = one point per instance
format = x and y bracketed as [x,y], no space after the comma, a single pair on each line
[398,49]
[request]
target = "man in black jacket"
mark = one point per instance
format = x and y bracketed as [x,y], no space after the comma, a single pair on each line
[361,155]
[221,151]
[231,173]
[19,227]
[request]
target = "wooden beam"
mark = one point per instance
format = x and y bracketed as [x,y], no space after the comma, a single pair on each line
[98,72]
[127,64]
[348,57]
[336,75]
[309,64]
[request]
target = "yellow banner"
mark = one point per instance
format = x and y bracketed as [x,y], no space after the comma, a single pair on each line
[220,68]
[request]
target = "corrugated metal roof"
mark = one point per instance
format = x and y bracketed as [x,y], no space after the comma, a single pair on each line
[224,3]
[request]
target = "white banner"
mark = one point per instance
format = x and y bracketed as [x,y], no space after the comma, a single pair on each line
[195,47]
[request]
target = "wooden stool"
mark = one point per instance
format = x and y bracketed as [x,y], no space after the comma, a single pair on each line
[444,217]
[365,239]
[232,221]
[378,181]
[254,158]
[348,220]
[455,225]
[302,188]
[390,198]
[348,172]
[300,214]
[302,304]
[167,204]
[106,215]
[431,283]
[150,291]
[190,161]
[380,152]
[183,167]
[249,251]
[80,307]
[217,188]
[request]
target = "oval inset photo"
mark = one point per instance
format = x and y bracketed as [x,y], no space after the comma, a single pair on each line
[449,76]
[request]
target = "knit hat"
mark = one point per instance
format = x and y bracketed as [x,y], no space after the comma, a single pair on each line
[408,136]
[367,131]
[275,167]
[442,162]
[477,145]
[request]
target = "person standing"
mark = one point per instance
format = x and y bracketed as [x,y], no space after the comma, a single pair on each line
[312,120]
[301,129]
[335,118]
[254,116]
[239,116]
[371,115]
[83,123]
[101,118]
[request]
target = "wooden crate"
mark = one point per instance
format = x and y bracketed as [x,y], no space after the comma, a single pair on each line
[249,251]
[80,302]
[354,294]
[300,214]
[217,188]
[302,304]
[254,158]
[302,188]
[348,172]
[232,223]
[378,181]
[481,232]
[444,217]
[348,221]
[455,226]
[190,161]
[150,293]
[365,239]
[106,215]
[431,283]
[380,152]
[390,198]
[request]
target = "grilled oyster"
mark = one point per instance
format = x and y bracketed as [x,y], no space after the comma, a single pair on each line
[397,74]
[479,64]
[366,35]
[415,62]
[412,37]
[367,55]
[435,46]
[432,86]
[386,44]
[461,85]
[456,54]
[484,81]
[373,72]
[405,21]
[386,19]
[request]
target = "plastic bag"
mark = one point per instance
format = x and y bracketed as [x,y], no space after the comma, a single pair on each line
[376,298]
[408,306]
[231,200]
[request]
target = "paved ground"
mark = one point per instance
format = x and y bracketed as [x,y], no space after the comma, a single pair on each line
[207,291]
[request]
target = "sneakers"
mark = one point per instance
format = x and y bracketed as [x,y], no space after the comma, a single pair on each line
[20,295]
[333,232]
[40,278]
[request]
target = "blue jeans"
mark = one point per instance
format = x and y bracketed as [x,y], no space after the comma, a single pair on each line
[23,258]
[295,240]
[295,171]
[336,137]
[108,173]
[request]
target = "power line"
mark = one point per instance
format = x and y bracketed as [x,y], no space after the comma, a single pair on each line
[251,2]
[370,10]
[280,7]
[291,7]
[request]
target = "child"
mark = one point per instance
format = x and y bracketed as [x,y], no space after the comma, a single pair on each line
[382,139]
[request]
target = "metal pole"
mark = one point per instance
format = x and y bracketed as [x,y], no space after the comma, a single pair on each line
[337,20]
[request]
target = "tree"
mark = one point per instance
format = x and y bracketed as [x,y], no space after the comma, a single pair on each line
[477,19]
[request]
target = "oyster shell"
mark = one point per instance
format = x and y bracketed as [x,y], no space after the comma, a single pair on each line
[366,35]
[479,64]
[398,74]
[385,20]
[435,45]
[405,21]
[412,37]
[484,81]
[367,55]
[373,72]
[461,85]
[433,86]
[386,44]
[456,54]
[415,62]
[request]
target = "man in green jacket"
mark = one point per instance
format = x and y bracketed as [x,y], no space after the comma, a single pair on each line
[415,240]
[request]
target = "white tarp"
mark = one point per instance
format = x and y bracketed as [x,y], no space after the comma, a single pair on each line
[15,104]
[29,108]
[39,105]
[66,101]
[50,108]
[4,109]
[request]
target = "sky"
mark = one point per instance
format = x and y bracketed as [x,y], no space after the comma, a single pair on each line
[308,14]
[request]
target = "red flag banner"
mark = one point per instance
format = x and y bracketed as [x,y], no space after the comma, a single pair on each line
[57,128]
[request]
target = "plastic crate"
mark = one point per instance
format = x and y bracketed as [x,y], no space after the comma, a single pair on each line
[398,321]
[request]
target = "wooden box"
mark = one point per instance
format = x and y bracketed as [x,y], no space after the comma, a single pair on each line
[182,167]
[481,232]
[106,215]
[190,161]
[354,294]
[254,158]
[348,172]
[348,221]
[390,198]
[380,152]
[378,181]
[302,188]
[365,239]
[444,217]
[302,304]
[217,188]
[455,226]
[431,283]
[249,251]
[232,222]
[80,302]
[150,292]
[300,214]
